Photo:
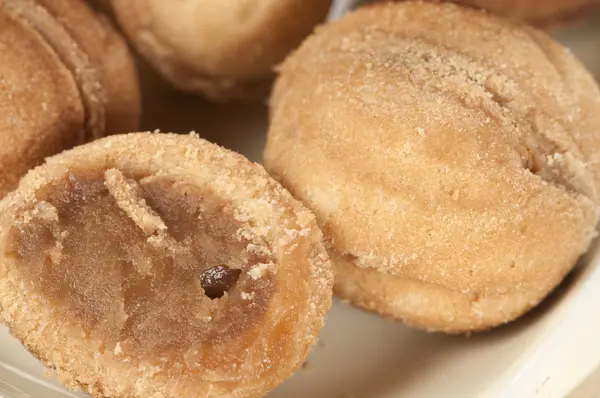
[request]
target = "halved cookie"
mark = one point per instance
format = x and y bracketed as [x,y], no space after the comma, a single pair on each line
[150,265]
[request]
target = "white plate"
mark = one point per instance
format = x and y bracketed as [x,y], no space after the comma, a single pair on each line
[546,354]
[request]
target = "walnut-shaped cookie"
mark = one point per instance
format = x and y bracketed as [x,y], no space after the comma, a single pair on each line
[455,172]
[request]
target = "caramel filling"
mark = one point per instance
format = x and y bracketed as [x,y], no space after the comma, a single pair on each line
[149,265]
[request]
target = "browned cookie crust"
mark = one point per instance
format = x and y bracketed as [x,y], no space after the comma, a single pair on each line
[155,265]
[66,77]
[221,49]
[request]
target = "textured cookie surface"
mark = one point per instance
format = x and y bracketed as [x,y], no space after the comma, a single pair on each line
[455,172]
[155,265]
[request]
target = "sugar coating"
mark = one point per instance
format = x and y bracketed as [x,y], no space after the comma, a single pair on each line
[105,246]
[247,296]
[451,169]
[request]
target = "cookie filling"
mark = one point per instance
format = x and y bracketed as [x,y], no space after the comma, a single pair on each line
[149,265]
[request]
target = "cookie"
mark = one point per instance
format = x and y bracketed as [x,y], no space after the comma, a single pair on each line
[455,172]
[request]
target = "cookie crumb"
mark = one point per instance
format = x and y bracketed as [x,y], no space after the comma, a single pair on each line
[247,296]
[258,271]
[118,349]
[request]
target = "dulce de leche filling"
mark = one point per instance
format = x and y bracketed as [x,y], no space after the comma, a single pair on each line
[148,265]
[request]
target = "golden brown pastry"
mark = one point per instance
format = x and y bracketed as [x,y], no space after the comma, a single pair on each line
[454,172]
[222,49]
[155,265]
[65,77]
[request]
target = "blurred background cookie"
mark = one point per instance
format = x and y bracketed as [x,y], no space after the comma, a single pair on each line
[220,49]
[66,77]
